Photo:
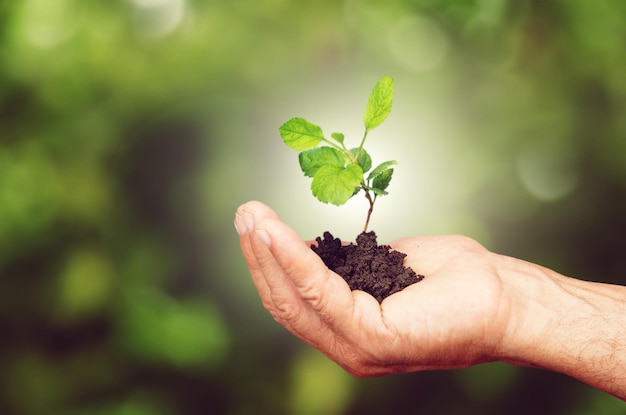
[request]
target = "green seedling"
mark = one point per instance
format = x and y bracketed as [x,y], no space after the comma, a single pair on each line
[338,172]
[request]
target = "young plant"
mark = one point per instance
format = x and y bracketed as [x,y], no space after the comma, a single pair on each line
[338,173]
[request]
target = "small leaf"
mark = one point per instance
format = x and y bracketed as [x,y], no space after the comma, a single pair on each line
[378,192]
[381,181]
[379,104]
[339,137]
[300,134]
[312,160]
[381,168]
[364,160]
[334,184]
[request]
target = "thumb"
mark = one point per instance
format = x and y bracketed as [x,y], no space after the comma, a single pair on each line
[322,290]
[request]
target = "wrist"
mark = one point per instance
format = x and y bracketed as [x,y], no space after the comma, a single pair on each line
[565,325]
[536,303]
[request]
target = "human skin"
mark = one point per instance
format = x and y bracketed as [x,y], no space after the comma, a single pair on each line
[474,306]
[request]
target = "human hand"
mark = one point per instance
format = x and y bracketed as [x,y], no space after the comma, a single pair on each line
[473,306]
[457,316]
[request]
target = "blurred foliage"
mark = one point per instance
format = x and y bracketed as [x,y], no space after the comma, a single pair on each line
[131,129]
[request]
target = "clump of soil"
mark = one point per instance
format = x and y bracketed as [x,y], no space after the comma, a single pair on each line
[366,266]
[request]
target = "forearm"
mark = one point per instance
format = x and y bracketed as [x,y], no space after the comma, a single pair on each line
[566,325]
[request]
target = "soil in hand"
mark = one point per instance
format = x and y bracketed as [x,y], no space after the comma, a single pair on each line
[366,266]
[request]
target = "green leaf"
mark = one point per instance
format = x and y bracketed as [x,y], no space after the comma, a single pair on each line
[312,160]
[364,160]
[381,168]
[381,181]
[338,136]
[300,134]
[378,192]
[379,104]
[335,184]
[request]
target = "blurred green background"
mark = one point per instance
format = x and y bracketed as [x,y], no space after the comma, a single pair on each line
[130,130]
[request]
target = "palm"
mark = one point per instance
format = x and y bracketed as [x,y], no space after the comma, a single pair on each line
[439,322]
[446,320]
[446,316]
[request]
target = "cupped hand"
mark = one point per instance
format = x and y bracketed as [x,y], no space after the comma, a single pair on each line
[455,317]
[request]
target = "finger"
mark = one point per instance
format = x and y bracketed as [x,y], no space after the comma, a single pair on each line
[327,294]
[244,223]
[285,303]
[300,292]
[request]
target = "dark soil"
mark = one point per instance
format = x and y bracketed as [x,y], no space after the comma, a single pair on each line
[366,266]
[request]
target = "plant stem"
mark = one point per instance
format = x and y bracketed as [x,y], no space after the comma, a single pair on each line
[371,201]
[344,150]
[362,143]
[334,145]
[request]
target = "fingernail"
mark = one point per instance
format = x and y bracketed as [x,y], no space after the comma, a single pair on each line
[240,225]
[244,223]
[264,236]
